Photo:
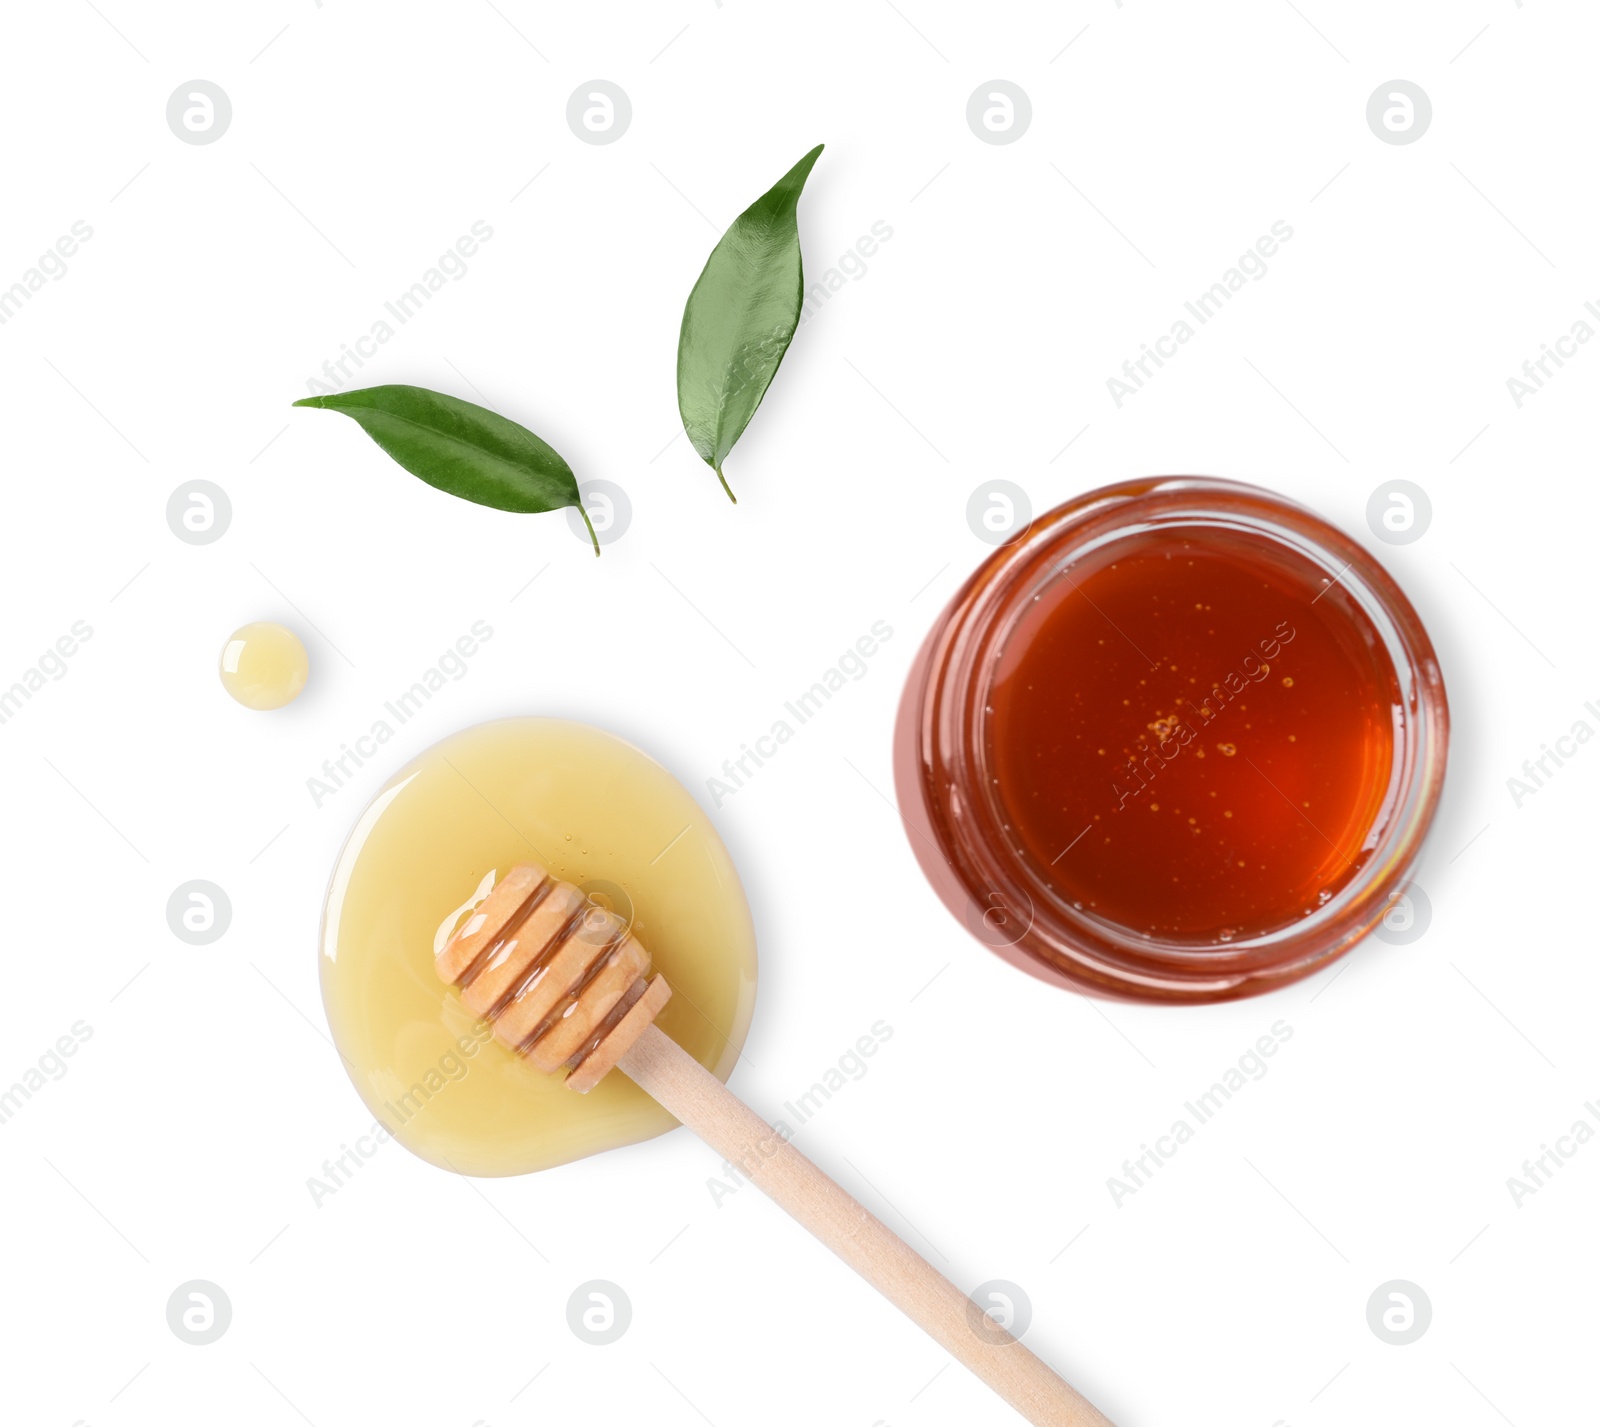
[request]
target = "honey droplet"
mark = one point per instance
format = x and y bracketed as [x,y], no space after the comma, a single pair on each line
[264,665]
[1227,750]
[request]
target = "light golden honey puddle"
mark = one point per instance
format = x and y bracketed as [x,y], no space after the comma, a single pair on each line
[595,811]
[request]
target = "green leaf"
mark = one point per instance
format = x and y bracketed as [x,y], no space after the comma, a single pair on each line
[461,448]
[740,319]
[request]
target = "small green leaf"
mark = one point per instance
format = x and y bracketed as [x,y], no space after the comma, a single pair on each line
[461,448]
[740,319]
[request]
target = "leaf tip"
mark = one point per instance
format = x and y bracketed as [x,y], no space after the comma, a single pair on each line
[807,163]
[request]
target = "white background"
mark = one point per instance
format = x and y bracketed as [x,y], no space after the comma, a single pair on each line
[1166,138]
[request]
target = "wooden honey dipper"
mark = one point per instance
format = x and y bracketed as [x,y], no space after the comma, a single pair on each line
[566,983]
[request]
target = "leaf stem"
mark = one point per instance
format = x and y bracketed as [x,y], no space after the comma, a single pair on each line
[590,524]
[724,480]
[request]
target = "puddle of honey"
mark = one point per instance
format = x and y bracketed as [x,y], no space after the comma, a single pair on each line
[595,811]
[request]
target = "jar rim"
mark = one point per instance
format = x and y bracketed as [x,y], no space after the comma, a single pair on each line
[947,798]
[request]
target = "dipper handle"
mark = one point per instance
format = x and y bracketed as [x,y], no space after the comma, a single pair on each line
[567,984]
[673,1077]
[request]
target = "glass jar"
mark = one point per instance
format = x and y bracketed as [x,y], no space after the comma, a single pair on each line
[967,808]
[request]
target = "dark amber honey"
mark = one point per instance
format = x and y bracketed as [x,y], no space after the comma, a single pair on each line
[1191,738]
[1181,740]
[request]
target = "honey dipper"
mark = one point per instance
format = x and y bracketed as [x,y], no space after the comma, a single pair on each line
[567,984]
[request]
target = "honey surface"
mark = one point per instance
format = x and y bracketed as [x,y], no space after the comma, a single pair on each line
[1193,740]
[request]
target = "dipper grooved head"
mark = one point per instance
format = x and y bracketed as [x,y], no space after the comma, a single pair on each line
[562,981]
